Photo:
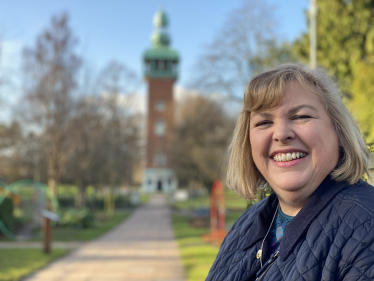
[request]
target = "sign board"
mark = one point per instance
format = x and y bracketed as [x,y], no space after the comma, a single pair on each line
[135,199]
[49,215]
[181,195]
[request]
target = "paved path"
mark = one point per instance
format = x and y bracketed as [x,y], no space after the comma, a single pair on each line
[141,248]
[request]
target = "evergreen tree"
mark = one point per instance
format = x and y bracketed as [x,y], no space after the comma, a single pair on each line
[345,48]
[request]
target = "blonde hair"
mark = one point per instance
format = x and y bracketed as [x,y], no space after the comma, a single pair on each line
[266,91]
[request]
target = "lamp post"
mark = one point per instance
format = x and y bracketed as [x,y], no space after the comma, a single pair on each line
[313,34]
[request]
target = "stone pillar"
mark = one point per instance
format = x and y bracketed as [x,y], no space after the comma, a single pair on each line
[371,168]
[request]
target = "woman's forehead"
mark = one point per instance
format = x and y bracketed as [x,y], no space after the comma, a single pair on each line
[294,95]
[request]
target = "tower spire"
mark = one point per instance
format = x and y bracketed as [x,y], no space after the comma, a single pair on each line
[160,60]
[160,36]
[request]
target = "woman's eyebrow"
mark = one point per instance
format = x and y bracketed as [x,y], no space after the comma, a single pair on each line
[262,114]
[297,108]
[291,111]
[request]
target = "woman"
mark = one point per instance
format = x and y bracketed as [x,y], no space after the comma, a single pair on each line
[295,134]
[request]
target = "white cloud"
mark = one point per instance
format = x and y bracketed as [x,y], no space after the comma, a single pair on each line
[180,93]
[10,54]
[136,102]
[231,107]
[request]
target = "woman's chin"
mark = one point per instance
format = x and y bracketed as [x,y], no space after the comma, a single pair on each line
[289,187]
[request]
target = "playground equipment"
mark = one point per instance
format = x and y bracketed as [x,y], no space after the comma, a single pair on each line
[217,215]
[35,204]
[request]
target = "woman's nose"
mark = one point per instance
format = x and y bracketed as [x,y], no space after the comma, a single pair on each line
[283,132]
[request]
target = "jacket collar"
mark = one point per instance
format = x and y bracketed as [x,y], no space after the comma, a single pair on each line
[301,222]
[319,199]
[262,222]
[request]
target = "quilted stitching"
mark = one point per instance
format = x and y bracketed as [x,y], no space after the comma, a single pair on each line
[342,231]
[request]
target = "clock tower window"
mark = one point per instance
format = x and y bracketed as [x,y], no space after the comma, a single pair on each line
[160,127]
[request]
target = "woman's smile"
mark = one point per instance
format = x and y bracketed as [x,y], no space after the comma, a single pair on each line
[289,159]
[288,156]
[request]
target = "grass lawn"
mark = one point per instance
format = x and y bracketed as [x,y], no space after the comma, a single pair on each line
[197,255]
[232,201]
[15,263]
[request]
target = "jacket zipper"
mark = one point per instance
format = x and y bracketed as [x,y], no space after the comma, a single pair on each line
[262,244]
[274,259]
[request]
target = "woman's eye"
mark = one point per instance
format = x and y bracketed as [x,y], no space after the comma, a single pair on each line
[300,117]
[263,123]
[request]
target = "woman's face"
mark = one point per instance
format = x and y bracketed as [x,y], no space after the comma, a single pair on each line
[294,145]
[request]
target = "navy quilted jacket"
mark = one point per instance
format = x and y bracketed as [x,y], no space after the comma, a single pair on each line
[331,238]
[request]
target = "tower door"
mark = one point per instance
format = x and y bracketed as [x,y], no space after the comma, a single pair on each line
[159,185]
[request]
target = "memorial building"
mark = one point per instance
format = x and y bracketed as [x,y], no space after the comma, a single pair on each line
[160,64]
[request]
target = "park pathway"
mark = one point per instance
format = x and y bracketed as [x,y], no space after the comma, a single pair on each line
[141,248]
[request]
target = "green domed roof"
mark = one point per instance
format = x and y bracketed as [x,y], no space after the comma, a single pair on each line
[160,39]
[160,61]
[161,53]
[160,19]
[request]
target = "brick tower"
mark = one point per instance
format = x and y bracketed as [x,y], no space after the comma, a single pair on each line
[160,71]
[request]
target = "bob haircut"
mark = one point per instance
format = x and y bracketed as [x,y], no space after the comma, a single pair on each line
[266,91]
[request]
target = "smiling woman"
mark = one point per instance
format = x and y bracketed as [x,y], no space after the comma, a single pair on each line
[299,124]
[295,134]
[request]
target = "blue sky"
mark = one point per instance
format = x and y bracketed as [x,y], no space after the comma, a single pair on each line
[121,30]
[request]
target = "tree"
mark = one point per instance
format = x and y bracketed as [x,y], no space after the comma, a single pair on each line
[117,84]
[244,47]
[51,70]
[108,133]
[345,48]
[11,151]
[202,134]
[84,166]
[362,99]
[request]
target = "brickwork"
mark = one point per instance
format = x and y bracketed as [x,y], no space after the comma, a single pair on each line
[159,90]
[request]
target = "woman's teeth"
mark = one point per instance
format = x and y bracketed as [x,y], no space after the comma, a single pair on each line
[284,157]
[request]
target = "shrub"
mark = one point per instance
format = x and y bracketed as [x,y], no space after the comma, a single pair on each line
[121,201]
[80,218]
[6,213]
[66,202]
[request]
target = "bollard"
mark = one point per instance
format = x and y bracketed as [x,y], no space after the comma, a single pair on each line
[217,215]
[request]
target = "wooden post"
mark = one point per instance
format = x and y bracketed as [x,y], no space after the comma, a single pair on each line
[47,230]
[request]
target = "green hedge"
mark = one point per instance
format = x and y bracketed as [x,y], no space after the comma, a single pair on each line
[80,218]
[120,202]
[6,213]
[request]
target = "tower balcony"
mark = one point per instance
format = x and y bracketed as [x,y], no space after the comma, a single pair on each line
[167,73]
[161,62]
